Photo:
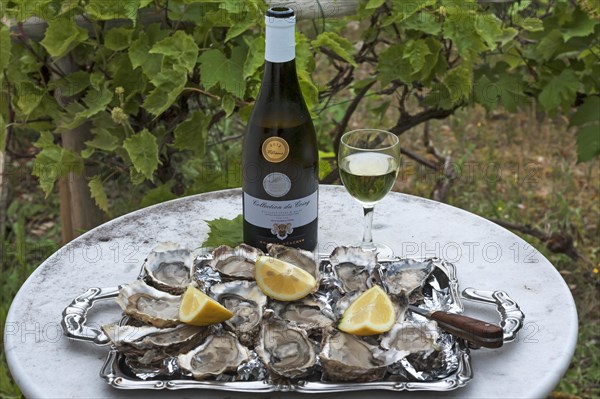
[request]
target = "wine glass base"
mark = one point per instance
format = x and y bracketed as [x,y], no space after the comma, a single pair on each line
[382,250]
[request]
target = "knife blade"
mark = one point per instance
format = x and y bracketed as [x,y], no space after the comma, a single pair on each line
[478,332]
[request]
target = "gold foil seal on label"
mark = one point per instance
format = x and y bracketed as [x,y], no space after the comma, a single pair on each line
[275,149]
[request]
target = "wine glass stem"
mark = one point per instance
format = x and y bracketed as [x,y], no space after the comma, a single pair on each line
[367,241]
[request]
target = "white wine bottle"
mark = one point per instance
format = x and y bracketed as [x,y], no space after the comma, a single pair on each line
[280,155]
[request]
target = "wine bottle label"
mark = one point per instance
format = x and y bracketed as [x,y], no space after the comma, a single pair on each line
[275,149]
[277,184]
[282,217]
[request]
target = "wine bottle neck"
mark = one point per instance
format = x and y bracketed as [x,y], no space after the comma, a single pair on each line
[280,46]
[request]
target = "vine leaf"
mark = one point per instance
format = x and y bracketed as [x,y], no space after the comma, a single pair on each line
[95,100]
[588,112]
[191,134]
[224,232]
[117,39]
[338,44]
[581,25]
[53,162]
[158,194]
[215,69]
[98,193]
[532,24]
[588,142]
[62,36]
[143,151]
[103,140]
[169,84]
[179,48]
[560,91]
[256,56]
[102,10]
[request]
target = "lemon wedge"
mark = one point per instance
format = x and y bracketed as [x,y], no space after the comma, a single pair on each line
[282,280]
[371,313]
[199,309]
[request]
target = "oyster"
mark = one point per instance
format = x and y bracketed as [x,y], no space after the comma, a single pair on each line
[353,267]
[299,257]
[220,353]
[169,268]
[409,337]
[405,276]
[149,344]
[235,262]
[286,349]
[246,301]
[146,303]
[345,357]
[308,313]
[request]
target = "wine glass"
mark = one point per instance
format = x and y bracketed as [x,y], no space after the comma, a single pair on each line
[368,161]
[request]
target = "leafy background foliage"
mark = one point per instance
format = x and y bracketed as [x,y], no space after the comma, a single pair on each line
[165,88]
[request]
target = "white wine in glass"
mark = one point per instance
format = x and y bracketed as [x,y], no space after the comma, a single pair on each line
[368,160]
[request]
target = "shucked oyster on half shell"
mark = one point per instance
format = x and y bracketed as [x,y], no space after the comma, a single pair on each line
[345,357]
[408,337]
[152,344]
[298,257]
[405,276]
[235,262]
[353,267]
[220,353]
[169,268]
[147,304]
[308,313]
[285,349]
[247,302]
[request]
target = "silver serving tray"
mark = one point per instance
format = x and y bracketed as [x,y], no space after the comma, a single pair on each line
[117,374]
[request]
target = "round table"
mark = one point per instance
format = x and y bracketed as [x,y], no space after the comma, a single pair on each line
[44,363]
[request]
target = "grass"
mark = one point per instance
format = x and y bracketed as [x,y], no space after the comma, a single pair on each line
[539,183]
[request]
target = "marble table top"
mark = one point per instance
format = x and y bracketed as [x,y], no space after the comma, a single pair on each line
[44,363]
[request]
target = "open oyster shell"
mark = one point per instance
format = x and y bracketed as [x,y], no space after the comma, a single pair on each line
[405,276]
[220,353]
[285,349]
[169,268]
[353,267]
[409,337]
[298,257]
[247,302]
[146,303]
[345,357]
[308,313]
[151,344]
[235,262]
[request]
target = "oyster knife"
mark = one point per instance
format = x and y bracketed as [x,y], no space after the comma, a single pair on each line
[478,332]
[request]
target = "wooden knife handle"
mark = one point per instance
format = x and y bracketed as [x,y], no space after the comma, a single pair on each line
[479,332]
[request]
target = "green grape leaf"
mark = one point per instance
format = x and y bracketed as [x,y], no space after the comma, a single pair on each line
[98,193]
[374,4]
[5,45]
[423,22]
[53,162]
[560,91]
[588,112]
[460,28]
[191,134]
[255,57]
[402,10]
[224,232]
[416,53]
[581,25]
[180,48]
[239,27]
[489,27]
[588,142]
[143,151]
[459,82]
[158,194]
[305,59]
[103,140]
[532,24]
[95,101]
[72,84]
[393,65]
[139,51]
[338,44]
[62,36]
[228,104]
[169,84]
[29,97]
[549,44]
[215,69]
[117,39]
[103,10]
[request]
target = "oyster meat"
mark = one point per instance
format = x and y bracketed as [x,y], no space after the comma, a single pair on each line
[308,313]
[353,267]
[220,353]
[345,357]
[152,344]
[235,262]
[146,303]
[246,301]
[299,257]
[405,276]
[169,268]
[285,349]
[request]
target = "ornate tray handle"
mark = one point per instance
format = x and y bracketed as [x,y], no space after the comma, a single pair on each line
[511,317]
[74,316]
